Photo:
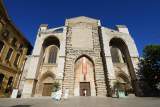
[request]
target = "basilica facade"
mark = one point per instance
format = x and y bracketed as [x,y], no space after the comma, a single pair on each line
[83,57]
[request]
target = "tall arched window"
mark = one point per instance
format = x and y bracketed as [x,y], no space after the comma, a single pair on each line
[9,85]
[10,81]
[51,47]
[1,46]
[1,80]
[52,55]
[16,61]
[117,55]
[10,51]
[114,54]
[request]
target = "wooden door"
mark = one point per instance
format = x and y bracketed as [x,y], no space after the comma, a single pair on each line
[47,89]
[85,89]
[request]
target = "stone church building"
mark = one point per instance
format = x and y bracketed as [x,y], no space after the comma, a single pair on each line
[83,57]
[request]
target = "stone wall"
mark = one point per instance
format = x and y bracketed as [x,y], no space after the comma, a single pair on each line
[131,51]
[73,53]
[81,36]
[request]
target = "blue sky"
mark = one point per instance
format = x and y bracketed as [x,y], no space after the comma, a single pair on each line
[142,17]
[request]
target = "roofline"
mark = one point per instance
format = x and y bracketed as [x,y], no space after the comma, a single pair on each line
[81,16]
[4,10]
[8,19]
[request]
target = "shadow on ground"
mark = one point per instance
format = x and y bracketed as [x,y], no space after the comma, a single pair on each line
[21,106]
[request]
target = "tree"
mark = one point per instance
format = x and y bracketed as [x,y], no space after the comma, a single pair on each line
[56,86]
[149,67]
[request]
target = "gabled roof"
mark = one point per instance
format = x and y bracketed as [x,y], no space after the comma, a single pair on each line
[80,19]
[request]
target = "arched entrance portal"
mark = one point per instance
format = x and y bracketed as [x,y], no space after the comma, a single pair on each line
[84,77]
[45,85]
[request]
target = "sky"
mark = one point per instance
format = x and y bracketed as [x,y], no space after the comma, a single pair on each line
[142,17]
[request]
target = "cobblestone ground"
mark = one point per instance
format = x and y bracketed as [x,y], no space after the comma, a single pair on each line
[81,102]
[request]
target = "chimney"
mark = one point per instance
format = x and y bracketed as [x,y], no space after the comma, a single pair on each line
[43,27]
[122,28]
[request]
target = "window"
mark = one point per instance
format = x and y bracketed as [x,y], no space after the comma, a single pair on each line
[9,54]
[14,42]
[115,55]
[5,34]
[9,85]
[1,46]
[10,81]
[21,46]
[17,59]
[1,80]
[52,54]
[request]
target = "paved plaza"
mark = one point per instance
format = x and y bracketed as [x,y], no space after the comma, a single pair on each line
[82,102]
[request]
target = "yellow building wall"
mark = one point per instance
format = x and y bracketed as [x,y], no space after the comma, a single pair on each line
[7,68]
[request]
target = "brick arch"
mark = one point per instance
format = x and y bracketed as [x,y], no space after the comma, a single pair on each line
[124,77]
[45,75]
[121,44]
[51,40]
[84,55]
[120,38]
[42,80]
[124,82]
[129,42]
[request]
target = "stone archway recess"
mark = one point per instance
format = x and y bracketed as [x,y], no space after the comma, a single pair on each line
[120,44]
[84,77]
[45,84]
[45,76]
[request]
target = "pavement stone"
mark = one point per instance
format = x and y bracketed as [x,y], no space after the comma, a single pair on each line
[82,102]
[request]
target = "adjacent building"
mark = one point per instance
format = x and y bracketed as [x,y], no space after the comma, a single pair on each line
[13,50]
[85,58]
